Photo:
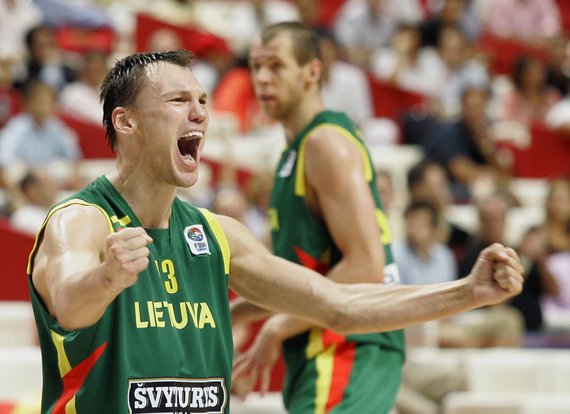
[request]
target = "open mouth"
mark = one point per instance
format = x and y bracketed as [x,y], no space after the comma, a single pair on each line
[188,145]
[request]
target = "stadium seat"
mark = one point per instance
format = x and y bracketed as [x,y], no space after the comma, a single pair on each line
[392,102]
[91,137]
[503,53]
[198,41]
[15,247]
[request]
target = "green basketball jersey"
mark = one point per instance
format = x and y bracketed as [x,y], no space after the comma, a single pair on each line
[298,236]
[164,345]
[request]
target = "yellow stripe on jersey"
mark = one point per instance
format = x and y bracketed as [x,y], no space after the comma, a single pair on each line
[124,221]
[70,407]
[325,364]
[315,344]
[300,185]
[220,237]
[63,362]
[52,212]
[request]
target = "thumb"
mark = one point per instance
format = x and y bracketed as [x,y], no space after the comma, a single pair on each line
[495,253]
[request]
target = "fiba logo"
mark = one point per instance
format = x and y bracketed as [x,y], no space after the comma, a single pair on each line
[196,239]
[195,234]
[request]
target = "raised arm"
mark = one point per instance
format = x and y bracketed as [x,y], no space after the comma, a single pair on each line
[80,267]
[282,286]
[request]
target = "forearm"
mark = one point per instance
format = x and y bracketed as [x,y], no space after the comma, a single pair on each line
[398,306]
[285,326]
[81,298]
[243,311]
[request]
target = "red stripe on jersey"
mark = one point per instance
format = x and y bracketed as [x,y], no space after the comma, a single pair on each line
[310,262]
[343,362]
[73,380]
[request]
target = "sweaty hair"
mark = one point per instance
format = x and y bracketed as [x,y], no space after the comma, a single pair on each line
[122,84]
[305,41]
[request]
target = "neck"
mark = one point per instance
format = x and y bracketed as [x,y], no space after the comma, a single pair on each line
[150,199]
[298,118]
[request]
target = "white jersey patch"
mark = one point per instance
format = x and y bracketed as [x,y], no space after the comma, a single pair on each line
[196,239]
[287,167]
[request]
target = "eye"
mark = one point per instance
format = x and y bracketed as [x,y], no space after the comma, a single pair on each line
[178,99]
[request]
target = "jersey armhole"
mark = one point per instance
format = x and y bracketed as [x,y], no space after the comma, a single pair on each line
[220,237]
[300,185]
[50,214]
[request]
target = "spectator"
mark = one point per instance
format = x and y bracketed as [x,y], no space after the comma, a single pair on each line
[538,245]
[556,70]
[404,64]
[492,223]
[468,151]
[16,18]
[45,61]
[525,20]
[10,98]
[39,194]
[428,181]
[86,14]
[556,303]
[345,87]
[258,192]
[36,136]
[362,26]
[81,98]
[531,98]
[421,259]
[456,13]
[441,74]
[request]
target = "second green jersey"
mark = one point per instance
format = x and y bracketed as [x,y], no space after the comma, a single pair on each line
[164,345]
[300,237]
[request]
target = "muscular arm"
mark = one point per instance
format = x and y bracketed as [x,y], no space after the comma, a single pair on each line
[80,267]
[281,286]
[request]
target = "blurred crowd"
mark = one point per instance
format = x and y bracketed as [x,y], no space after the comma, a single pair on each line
[473,112]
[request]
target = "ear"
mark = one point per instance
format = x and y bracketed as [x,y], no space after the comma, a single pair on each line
[315,70]
[123,122]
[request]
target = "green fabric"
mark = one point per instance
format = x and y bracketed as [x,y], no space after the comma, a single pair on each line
[173,325]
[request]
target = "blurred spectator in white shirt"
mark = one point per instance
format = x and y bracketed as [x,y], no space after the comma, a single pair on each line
[39,192]
[17,17]
[81,98]
[345,87]
[37,137]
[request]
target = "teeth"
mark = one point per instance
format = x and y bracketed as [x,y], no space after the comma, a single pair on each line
[193,134]
[189,158]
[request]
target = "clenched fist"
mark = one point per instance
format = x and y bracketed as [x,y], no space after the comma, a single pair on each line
[126,255]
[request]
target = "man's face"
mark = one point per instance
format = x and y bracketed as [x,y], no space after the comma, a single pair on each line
[419,228]
[278,80]
[170,120]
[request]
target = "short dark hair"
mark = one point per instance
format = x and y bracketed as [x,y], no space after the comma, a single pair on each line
[417,173]
[419,205]
[305,40]
[123,82]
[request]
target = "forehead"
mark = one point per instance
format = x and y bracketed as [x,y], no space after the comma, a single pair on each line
[165,77]
[280,46]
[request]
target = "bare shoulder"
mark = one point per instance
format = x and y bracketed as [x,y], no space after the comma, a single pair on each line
[328,142]
[240,239]
[70,229]
[331,160]
[77,223]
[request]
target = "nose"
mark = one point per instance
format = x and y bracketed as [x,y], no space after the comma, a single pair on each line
[198,112]
[262,75]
